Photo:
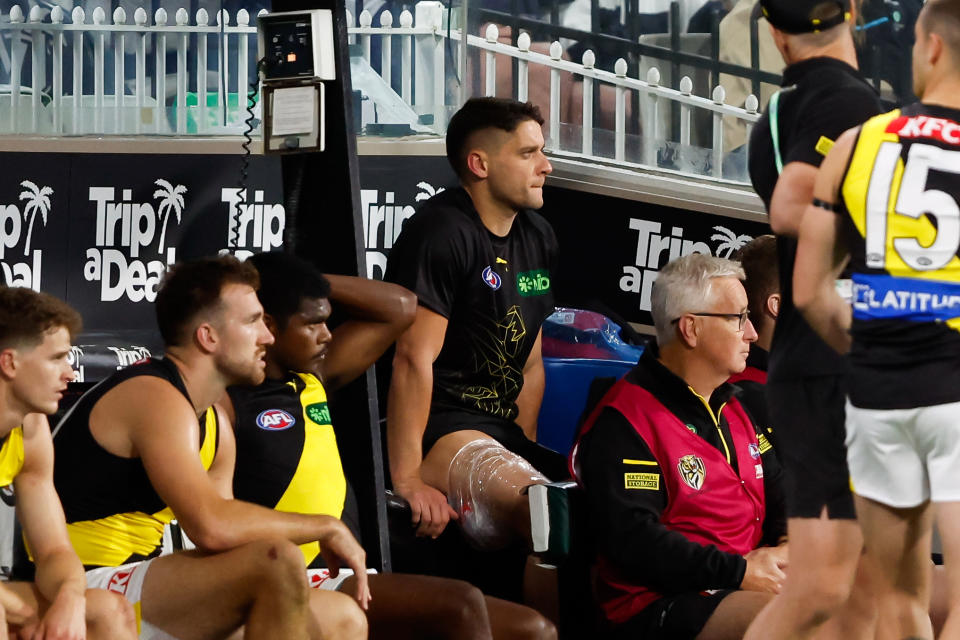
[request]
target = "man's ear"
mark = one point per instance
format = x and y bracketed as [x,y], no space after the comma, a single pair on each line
[773,305]
[478,163]
[206,337]
[935,48]
[8,362]
[689,330]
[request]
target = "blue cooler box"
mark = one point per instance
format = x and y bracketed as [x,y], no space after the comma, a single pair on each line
[578,346]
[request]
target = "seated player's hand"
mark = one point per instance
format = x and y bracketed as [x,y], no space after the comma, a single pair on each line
[65,619]
[763,571]
[15,610]
[430,512]
[339,548]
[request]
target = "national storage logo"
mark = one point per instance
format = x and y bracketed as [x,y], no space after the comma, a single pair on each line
[129,232]
[18,222]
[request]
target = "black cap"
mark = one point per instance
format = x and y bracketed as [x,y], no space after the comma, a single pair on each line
[795,16]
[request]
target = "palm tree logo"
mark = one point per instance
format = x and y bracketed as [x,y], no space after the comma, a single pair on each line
[171,198]
[426,191]
[38,199]
[729,241]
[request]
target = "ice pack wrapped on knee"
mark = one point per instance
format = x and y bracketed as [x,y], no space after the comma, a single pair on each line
[484,480]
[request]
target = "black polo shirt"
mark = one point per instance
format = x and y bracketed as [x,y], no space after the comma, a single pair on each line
[822,97]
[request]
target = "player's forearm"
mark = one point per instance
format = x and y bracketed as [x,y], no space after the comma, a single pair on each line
[408,408]
[228,524]
[530,399]
[60,570]
[828,314]
[373,300]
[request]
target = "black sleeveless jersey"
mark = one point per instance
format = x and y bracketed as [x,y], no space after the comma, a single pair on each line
[113,514]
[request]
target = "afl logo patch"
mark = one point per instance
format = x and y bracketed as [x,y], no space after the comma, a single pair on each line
[275,420]
[491,278]
[754,451]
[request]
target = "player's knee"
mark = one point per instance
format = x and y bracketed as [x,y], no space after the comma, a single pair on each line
[486,482]
[109,615]
[344,620]
[533,626]
[825,600]
[464,607]
[278,561]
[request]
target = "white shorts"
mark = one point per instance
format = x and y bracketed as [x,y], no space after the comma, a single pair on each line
[127,580]
[905,457]
[320,578]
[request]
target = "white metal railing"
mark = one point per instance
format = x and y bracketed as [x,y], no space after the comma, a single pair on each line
[157,101]
[138,102]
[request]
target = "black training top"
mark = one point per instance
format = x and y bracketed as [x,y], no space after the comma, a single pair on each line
[633,537]
[823,97]
[495,293]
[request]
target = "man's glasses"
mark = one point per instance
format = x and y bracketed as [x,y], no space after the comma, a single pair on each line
[741,317]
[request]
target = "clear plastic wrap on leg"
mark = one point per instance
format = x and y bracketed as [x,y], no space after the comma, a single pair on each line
[486,481]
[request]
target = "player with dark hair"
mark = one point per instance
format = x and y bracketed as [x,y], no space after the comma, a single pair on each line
[146,444]
[36,330]
[759,261]
[298,468]
[468,374]
[888,198]
[823,95]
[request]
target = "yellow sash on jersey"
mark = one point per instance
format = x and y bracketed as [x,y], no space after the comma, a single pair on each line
[318,486]
[11,456]
[855,190]
[111,541]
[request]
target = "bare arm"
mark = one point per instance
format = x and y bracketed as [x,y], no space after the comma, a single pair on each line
[60,577]
[221,471]
[379,312]
[534,381]
[790,198]
[164,431]
[408,407]
[820,256]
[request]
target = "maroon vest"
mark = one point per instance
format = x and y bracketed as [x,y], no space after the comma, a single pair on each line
[708,502]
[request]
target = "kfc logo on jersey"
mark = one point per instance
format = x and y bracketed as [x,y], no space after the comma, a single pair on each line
[492,278]
[275,420]
[120,581]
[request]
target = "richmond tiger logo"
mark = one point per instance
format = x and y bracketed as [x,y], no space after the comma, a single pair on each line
[692,471]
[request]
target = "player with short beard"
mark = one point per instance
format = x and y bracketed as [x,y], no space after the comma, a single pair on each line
[145,444]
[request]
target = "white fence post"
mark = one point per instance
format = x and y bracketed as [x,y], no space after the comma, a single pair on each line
[99,17]
[556,53]
[77,16]
[386,43]
[200,116]
[620,69]
[56,18]
[428,52]
[589,59]
[719,97]
[523,68]
[651,129]
[38,67]
[16,64]
[686,88]
[406,58]
[119,17]
[140,19]
[182,18]
[491,36]
[365,21]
